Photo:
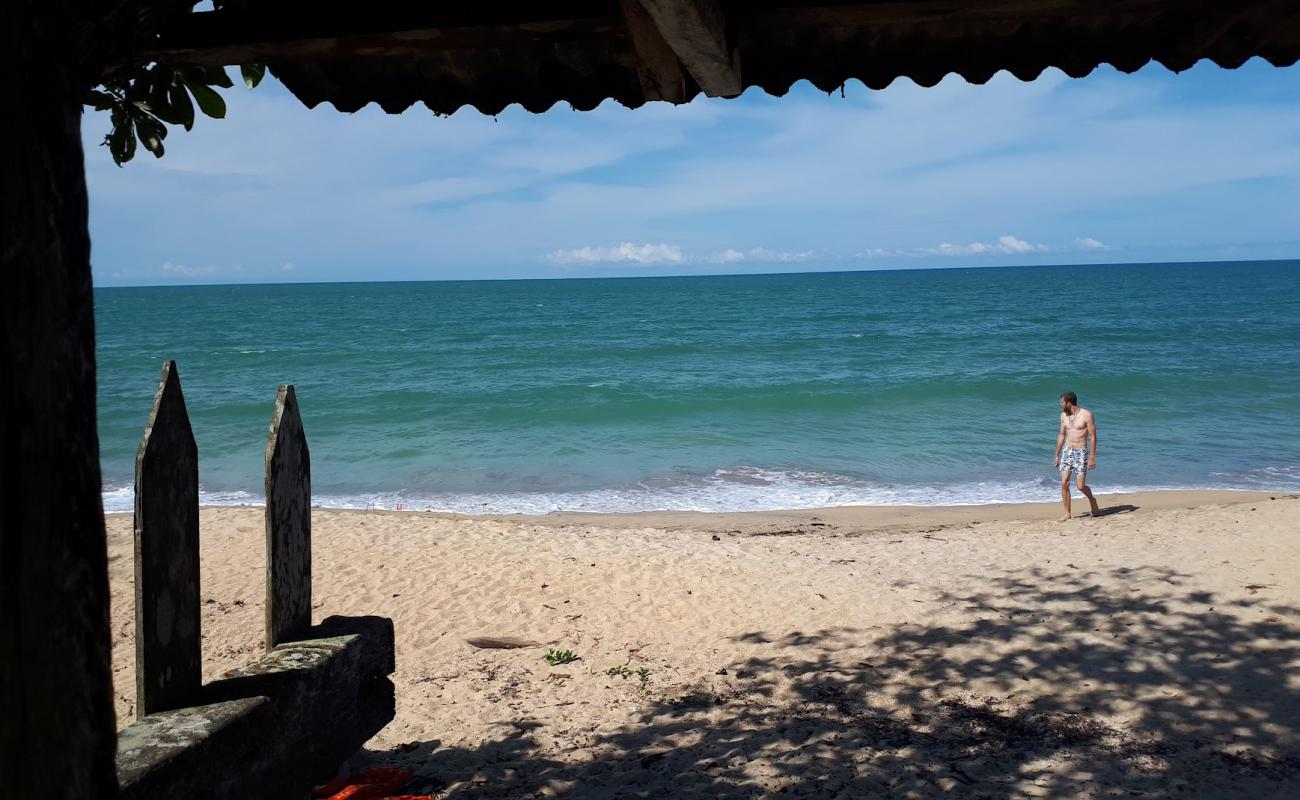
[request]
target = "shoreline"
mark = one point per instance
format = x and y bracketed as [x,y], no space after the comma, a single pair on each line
[1112,504]
[898,515]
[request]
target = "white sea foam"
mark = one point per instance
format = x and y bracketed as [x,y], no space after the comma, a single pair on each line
[734,489]
[1266,477]
[122,498]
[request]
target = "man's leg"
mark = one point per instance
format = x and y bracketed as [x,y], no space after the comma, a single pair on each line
[1065,494]
[1083,487]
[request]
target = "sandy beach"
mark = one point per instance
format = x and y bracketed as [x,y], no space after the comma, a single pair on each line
[980,651]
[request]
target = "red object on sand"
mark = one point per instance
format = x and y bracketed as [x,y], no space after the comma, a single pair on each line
[370,784]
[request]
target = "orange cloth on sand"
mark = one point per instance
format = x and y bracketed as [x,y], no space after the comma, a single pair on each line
[371,784]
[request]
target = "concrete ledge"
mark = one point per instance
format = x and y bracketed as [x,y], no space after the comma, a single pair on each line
[272,728]
[189,751]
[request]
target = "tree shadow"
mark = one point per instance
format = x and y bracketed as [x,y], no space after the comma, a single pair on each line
[1060,687]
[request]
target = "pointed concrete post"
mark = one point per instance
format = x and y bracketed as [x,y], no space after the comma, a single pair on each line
[168,669]
[288,523]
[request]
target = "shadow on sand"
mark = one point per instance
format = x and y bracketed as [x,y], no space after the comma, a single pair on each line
[1112,510]
[1060,688]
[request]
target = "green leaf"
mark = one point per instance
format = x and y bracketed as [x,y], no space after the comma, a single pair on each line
[121,139]
[151,133]
[210,102]
[253,74]
[160,79]
[152,143]
[100,101]
[182,107]
[212,76]
[159,103]
[152,124]
[219,77]
[144,99]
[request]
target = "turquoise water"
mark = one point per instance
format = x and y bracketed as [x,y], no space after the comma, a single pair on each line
[721,393]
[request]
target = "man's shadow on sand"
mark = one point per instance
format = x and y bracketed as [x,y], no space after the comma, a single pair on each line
[1112,510]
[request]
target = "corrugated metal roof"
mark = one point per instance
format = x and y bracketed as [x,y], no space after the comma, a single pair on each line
[582,53]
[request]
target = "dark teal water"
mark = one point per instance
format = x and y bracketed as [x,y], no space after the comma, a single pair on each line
[737,392]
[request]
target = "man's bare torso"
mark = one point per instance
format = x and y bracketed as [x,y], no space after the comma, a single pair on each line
[1076,427]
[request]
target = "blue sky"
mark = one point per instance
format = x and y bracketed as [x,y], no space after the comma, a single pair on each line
[1202,165]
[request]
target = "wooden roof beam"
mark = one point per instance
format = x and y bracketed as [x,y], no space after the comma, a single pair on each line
[658,69]
[280,33]
[696,31]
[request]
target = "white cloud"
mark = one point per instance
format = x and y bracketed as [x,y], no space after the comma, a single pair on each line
[625,252]
[760,254]
[889,253]
[654,254]
[650,254]
[763,254]
[883,252]
[1010,244]
[172,269]
[1005,245]
[183,271]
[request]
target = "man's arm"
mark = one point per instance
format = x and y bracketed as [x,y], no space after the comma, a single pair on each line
[1060,440]
[1092,438]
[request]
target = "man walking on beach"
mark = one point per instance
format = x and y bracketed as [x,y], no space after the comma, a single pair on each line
[1079,435]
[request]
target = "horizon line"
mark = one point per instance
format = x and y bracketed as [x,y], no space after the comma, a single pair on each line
[1089,265]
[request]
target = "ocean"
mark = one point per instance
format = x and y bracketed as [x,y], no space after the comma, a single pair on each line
[720,393]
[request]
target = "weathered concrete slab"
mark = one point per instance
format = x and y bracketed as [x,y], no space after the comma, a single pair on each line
[272,728]
[168,668]
[329,694]
[288,523]
[195,752]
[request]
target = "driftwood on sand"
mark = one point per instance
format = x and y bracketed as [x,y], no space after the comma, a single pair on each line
[500,642]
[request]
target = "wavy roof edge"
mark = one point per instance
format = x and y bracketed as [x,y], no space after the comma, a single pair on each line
[770,90]
[495,55]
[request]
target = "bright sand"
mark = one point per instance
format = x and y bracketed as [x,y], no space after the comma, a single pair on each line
[906,652]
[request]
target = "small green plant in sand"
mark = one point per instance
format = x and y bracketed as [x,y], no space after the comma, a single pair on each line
[622,671]
[557,657]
